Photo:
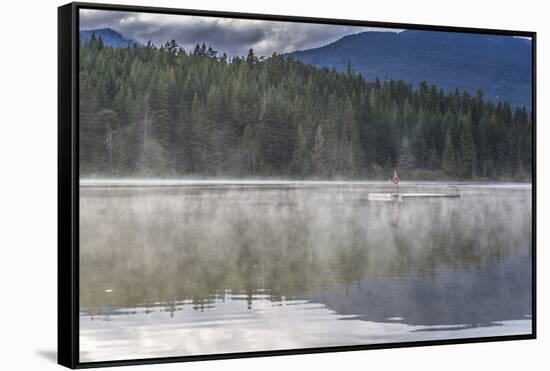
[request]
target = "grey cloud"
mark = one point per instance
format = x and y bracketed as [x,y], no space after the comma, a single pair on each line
[101,19]
[189,34]
[233,36]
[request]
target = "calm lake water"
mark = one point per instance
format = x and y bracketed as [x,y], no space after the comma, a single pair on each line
[180,268]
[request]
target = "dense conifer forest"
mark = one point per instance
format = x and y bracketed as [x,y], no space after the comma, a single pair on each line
[167,112]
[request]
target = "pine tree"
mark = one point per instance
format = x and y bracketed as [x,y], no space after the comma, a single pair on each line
[251,58]
[218,126]
[467,147]
[300,158]
[319,154]
[108,119]
[161,123]
[275,144]
[449,156]
[419,149]
[248,149]
[520,172]
[200,138]
[406,158]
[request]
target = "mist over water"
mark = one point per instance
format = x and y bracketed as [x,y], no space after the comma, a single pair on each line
[182,267]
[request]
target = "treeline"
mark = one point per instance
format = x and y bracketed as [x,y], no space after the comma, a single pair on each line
[168,112]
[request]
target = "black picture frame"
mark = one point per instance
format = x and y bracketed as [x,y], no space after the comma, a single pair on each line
[68,184]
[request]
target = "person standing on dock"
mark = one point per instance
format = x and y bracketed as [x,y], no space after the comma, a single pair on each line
[395,181]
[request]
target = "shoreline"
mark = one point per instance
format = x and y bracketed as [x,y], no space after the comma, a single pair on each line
[159,182]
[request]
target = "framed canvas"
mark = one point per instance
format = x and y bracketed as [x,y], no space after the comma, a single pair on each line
[238,185]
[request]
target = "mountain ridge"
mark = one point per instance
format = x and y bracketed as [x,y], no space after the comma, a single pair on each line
[498,65]
[109,36]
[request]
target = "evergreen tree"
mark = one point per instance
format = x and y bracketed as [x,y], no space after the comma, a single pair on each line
[300,158]
[160,114]
[319,154]
[276,144]
[406,158]
[467,148]
[249,151]
[449,162]
[109,120]
[200,144]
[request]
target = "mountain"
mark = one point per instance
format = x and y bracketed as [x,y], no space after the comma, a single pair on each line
[498,65]
[109,36]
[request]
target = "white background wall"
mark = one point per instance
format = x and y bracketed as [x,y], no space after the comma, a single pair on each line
[28,155]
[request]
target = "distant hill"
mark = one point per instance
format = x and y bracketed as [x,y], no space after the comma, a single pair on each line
[109,36]
[498,65]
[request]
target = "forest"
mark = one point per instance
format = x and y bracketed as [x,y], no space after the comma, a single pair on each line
[168,112]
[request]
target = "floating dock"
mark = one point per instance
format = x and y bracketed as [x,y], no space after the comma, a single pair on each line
[402,196]
[430,195]
[399,197]
[395,197]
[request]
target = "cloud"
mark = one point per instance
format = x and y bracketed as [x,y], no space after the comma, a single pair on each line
[233,36]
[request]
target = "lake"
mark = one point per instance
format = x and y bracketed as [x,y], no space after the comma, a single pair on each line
[175,268]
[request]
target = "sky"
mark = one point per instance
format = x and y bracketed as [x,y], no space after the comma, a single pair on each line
[232,36]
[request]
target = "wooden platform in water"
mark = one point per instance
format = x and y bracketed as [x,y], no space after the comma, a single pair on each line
[384,197]
[431,195]
[401,196]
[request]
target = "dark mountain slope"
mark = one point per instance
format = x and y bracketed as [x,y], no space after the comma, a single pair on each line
[498,65]
[109,36]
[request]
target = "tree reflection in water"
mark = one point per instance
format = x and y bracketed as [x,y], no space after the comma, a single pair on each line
[433,262]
